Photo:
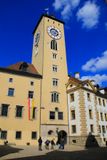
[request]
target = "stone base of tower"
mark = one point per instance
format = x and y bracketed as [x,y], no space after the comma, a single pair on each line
[53,132]
[86,141]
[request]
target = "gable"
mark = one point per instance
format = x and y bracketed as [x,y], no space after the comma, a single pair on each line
[88,85]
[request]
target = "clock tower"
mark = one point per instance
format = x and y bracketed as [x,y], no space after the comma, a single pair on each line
[49,58]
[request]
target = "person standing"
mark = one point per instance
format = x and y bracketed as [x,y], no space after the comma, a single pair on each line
[52,144]
[47,144]
[62,143]
[40,144]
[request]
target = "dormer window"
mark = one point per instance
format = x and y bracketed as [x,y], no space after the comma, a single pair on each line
[23,67]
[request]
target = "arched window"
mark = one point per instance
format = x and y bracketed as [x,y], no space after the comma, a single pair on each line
[53,45]
[54,97]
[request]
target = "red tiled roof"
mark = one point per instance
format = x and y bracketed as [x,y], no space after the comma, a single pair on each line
[75,80]
[30,68]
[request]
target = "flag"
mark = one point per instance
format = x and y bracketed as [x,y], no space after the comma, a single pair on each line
[31,106]
[28,108]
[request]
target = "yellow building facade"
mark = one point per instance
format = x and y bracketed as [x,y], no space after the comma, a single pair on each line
[49,58]
[19,104]
[33,102]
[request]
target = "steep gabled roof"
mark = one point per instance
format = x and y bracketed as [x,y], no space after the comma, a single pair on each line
[80,84]
[23,69]
[83,84]
[17,67]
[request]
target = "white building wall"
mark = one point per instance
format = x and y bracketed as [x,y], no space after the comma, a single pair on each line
[74,106]
[90,105]
[96,109]
[102,109]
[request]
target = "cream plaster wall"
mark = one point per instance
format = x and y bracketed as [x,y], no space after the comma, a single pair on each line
[11,123]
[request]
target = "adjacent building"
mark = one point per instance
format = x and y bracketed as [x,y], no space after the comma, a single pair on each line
[87,104]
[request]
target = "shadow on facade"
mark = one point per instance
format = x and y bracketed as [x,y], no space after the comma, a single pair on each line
[91,141]
[5,150]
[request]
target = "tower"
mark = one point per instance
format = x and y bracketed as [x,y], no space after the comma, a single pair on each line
[49,58]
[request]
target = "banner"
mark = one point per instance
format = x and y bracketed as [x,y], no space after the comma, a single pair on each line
[31,106]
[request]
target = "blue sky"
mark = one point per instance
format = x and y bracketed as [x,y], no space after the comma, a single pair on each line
[85,33]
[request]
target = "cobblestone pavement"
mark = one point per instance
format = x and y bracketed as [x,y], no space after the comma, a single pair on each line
[69,153]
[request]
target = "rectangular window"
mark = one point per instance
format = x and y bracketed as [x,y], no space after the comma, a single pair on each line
[3,135]
[73,128]
[10,79]
[90,114]
[105,116]
[34,113]
[101,115]
[72,114]
[55,82]
[99,129]
[60,115]
[19,111]
[34,135]
[54,68]
[18,134]
[52,115]
[30,94]
[103,102]
[55,97]
[88,97]
[4,110]
[72,97]
[91,128]
[54,55]
[103,129]
[11,92]
[99,100]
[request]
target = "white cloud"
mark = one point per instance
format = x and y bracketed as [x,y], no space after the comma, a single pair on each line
[66,12]
[66,7]
[58,4]
[96,64]
[99,79]
[89,14]
[75,3]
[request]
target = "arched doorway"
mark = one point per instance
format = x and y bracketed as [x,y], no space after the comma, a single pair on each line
[62,134]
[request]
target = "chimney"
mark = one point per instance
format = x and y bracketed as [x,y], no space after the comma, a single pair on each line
[77,75]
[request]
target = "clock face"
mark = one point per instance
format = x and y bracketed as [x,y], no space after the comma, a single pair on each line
[37,37]
[54,32]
